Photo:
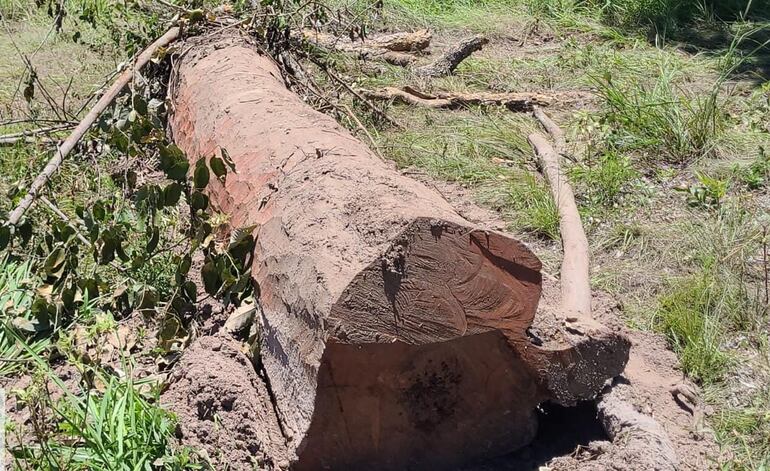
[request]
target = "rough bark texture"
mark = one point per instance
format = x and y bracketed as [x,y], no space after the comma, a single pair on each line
[394,331]
[645,442]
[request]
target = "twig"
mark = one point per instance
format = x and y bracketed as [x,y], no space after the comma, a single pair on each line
[34,132]
[363,128]
[361,98]
[86,123]
[65,218]
[36,120]
[9,141]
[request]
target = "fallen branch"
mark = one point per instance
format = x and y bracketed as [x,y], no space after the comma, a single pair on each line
[10,141]
[575,281]
[358,95]
[35,132]
[553,130]
[66,147]
[619,418]
[451,59]
[410,96]
[395,48]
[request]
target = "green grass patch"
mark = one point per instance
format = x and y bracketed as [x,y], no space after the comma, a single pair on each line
[746,430]
[603,180]
[486,151]
[114,427]
[661,120]
[691,316]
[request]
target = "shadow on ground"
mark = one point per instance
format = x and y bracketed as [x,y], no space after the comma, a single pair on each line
[563,431]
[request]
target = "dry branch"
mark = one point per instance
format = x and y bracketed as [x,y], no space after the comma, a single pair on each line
[9,141]
[441,100]
[66,147]
[395,48]
[620,420]
[575,280]
[447,63]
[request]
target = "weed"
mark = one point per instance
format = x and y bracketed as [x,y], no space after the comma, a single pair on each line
[690,316]
[757,174]
[747,429]
[604,179]
[708,192]
[16,298]
[660,120]
[114,427]
[535,209]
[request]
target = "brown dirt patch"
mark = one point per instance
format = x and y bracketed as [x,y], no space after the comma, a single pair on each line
[224,408]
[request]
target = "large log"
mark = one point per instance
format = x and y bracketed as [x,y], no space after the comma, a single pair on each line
[394,331]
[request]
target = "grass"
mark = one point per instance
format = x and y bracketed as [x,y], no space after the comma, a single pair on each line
[747,429]
[661,121]
[16,298]
[114,426]
[486,151]
[691,316]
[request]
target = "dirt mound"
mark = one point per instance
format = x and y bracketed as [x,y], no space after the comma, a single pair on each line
[224,408]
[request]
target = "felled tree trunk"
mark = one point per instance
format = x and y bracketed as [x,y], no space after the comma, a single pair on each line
[394,331]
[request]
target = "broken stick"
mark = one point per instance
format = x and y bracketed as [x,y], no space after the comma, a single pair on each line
[395,48]
[66,147]
[447,63]
[575,280]
[619,418]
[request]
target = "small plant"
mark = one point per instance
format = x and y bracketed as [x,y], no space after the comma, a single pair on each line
[660,120]
[690,316]
[757,174]
[112,427]
[707,193]
[605,178]
[532,206]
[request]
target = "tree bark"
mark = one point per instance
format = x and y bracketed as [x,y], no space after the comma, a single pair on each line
[447,63]
[394,332]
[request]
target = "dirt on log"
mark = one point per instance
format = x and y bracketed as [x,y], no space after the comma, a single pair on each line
[394,332]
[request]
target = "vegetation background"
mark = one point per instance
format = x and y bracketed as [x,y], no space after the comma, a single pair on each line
[666,104]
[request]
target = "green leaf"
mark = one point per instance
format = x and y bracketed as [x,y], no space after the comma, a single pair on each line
[148,298]
[54,263]
[227,159]
[25,232]
[201,175]
[199,201]
[173,162]
[98,211]
[139,105]
[172,193]
[190,290]
[218,167]
[108,249]
[211,280]
[152,243]
[5,236]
